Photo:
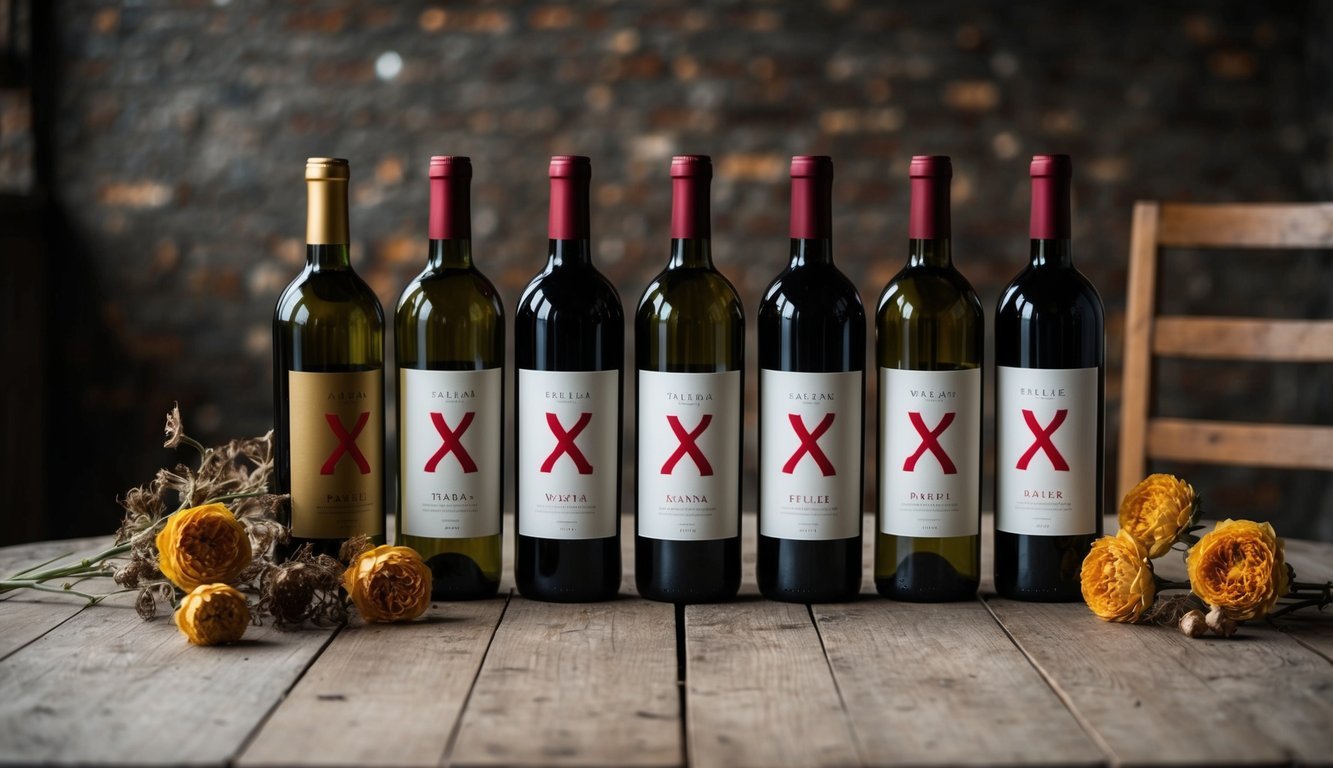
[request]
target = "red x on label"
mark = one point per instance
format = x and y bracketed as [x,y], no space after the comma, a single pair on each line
[1043,440]
[346,443]
[452,442]
[810,444]
[688,446]
[564,443]
[930,441]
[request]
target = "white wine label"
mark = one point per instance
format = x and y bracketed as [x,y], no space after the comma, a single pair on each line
[689,455]
[810,454]
[930,452]
[336,423]
[1046,450]
[568,453]
[451,465]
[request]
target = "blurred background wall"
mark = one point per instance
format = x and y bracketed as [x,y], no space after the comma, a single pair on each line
[151,157]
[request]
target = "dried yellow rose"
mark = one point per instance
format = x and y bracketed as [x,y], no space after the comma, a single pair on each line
[203,545]
[388,583]
[1157,511]
[1117,578]
[1239,568]
[213,614]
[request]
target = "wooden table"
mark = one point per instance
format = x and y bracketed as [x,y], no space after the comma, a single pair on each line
[514,682]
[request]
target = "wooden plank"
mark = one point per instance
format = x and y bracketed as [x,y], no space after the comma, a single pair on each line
[1313,562]
[759,690]
[107,687]
[404,684]
[1230,338]
[1136,383]
[1139,690]
[1247,225]
[25,614]
[1256,445]
[942,684]
[591,684]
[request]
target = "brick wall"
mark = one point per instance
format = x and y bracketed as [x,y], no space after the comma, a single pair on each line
[181,128]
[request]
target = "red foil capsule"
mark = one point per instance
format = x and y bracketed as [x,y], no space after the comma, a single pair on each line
[450,206]
[929,218]
[1051,176]
[811,197]
[690,177]
[569,215]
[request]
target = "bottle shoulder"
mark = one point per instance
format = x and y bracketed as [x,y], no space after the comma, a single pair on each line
[442,290]
[570,290]
[811,288]
[927,291]
[1049,291]
[698,293]
[340,293]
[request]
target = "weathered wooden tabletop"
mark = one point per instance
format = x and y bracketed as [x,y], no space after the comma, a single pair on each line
[515,682]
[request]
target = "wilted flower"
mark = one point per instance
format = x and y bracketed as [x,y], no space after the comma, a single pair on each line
[1117,578]
[213,614]
[388,584]
[1238,568]
[203,545]
[1157,511]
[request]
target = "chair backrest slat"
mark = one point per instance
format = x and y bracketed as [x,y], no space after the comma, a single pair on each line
[1292,446]
[1255,225]
[1225,338]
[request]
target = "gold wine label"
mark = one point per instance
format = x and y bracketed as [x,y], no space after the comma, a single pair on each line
[337,437]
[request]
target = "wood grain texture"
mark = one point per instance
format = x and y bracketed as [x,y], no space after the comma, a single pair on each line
[759,691]
[26,615]
[1231,338]
[587,684]
[108,687]
[946,687]
[1313,562]
[1136,379]
[1227,442]
[1133,687]
[405,684]
[1247,225]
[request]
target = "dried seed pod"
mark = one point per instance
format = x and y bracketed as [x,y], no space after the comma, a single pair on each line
[1193,624]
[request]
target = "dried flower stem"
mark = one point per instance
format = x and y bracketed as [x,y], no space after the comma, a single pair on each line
[95,565]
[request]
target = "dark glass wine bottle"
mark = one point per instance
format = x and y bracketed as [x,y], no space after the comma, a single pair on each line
[1050,357]
[812,331]
[450,341]
[328,381]
[929,342]
[569,350]
[690,346]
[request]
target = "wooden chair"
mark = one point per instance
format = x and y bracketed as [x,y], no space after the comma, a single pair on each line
[1148,335]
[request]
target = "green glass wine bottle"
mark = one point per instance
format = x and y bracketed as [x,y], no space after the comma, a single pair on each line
[449,336]
[328,381]
[930,333]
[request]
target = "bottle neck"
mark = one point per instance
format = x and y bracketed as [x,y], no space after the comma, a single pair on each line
[326,231]
[327,257]
[1052,253]
[569,253]
[450,254]
[930,252]
[811,252]
[691,253]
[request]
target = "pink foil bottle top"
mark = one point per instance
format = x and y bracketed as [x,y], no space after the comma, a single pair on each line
[1051,175]
[811,197]
[690,179]
[931,176]
[450,198]
[569,214]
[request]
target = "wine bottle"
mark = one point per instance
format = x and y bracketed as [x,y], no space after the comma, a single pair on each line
[569,349]
[328,381]
[811,392]
[690,348]
[929,345]
[449,336]
[1050,357]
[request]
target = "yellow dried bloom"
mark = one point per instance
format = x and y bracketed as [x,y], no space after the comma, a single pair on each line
[388,583]
[1117,578]
[213,614]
